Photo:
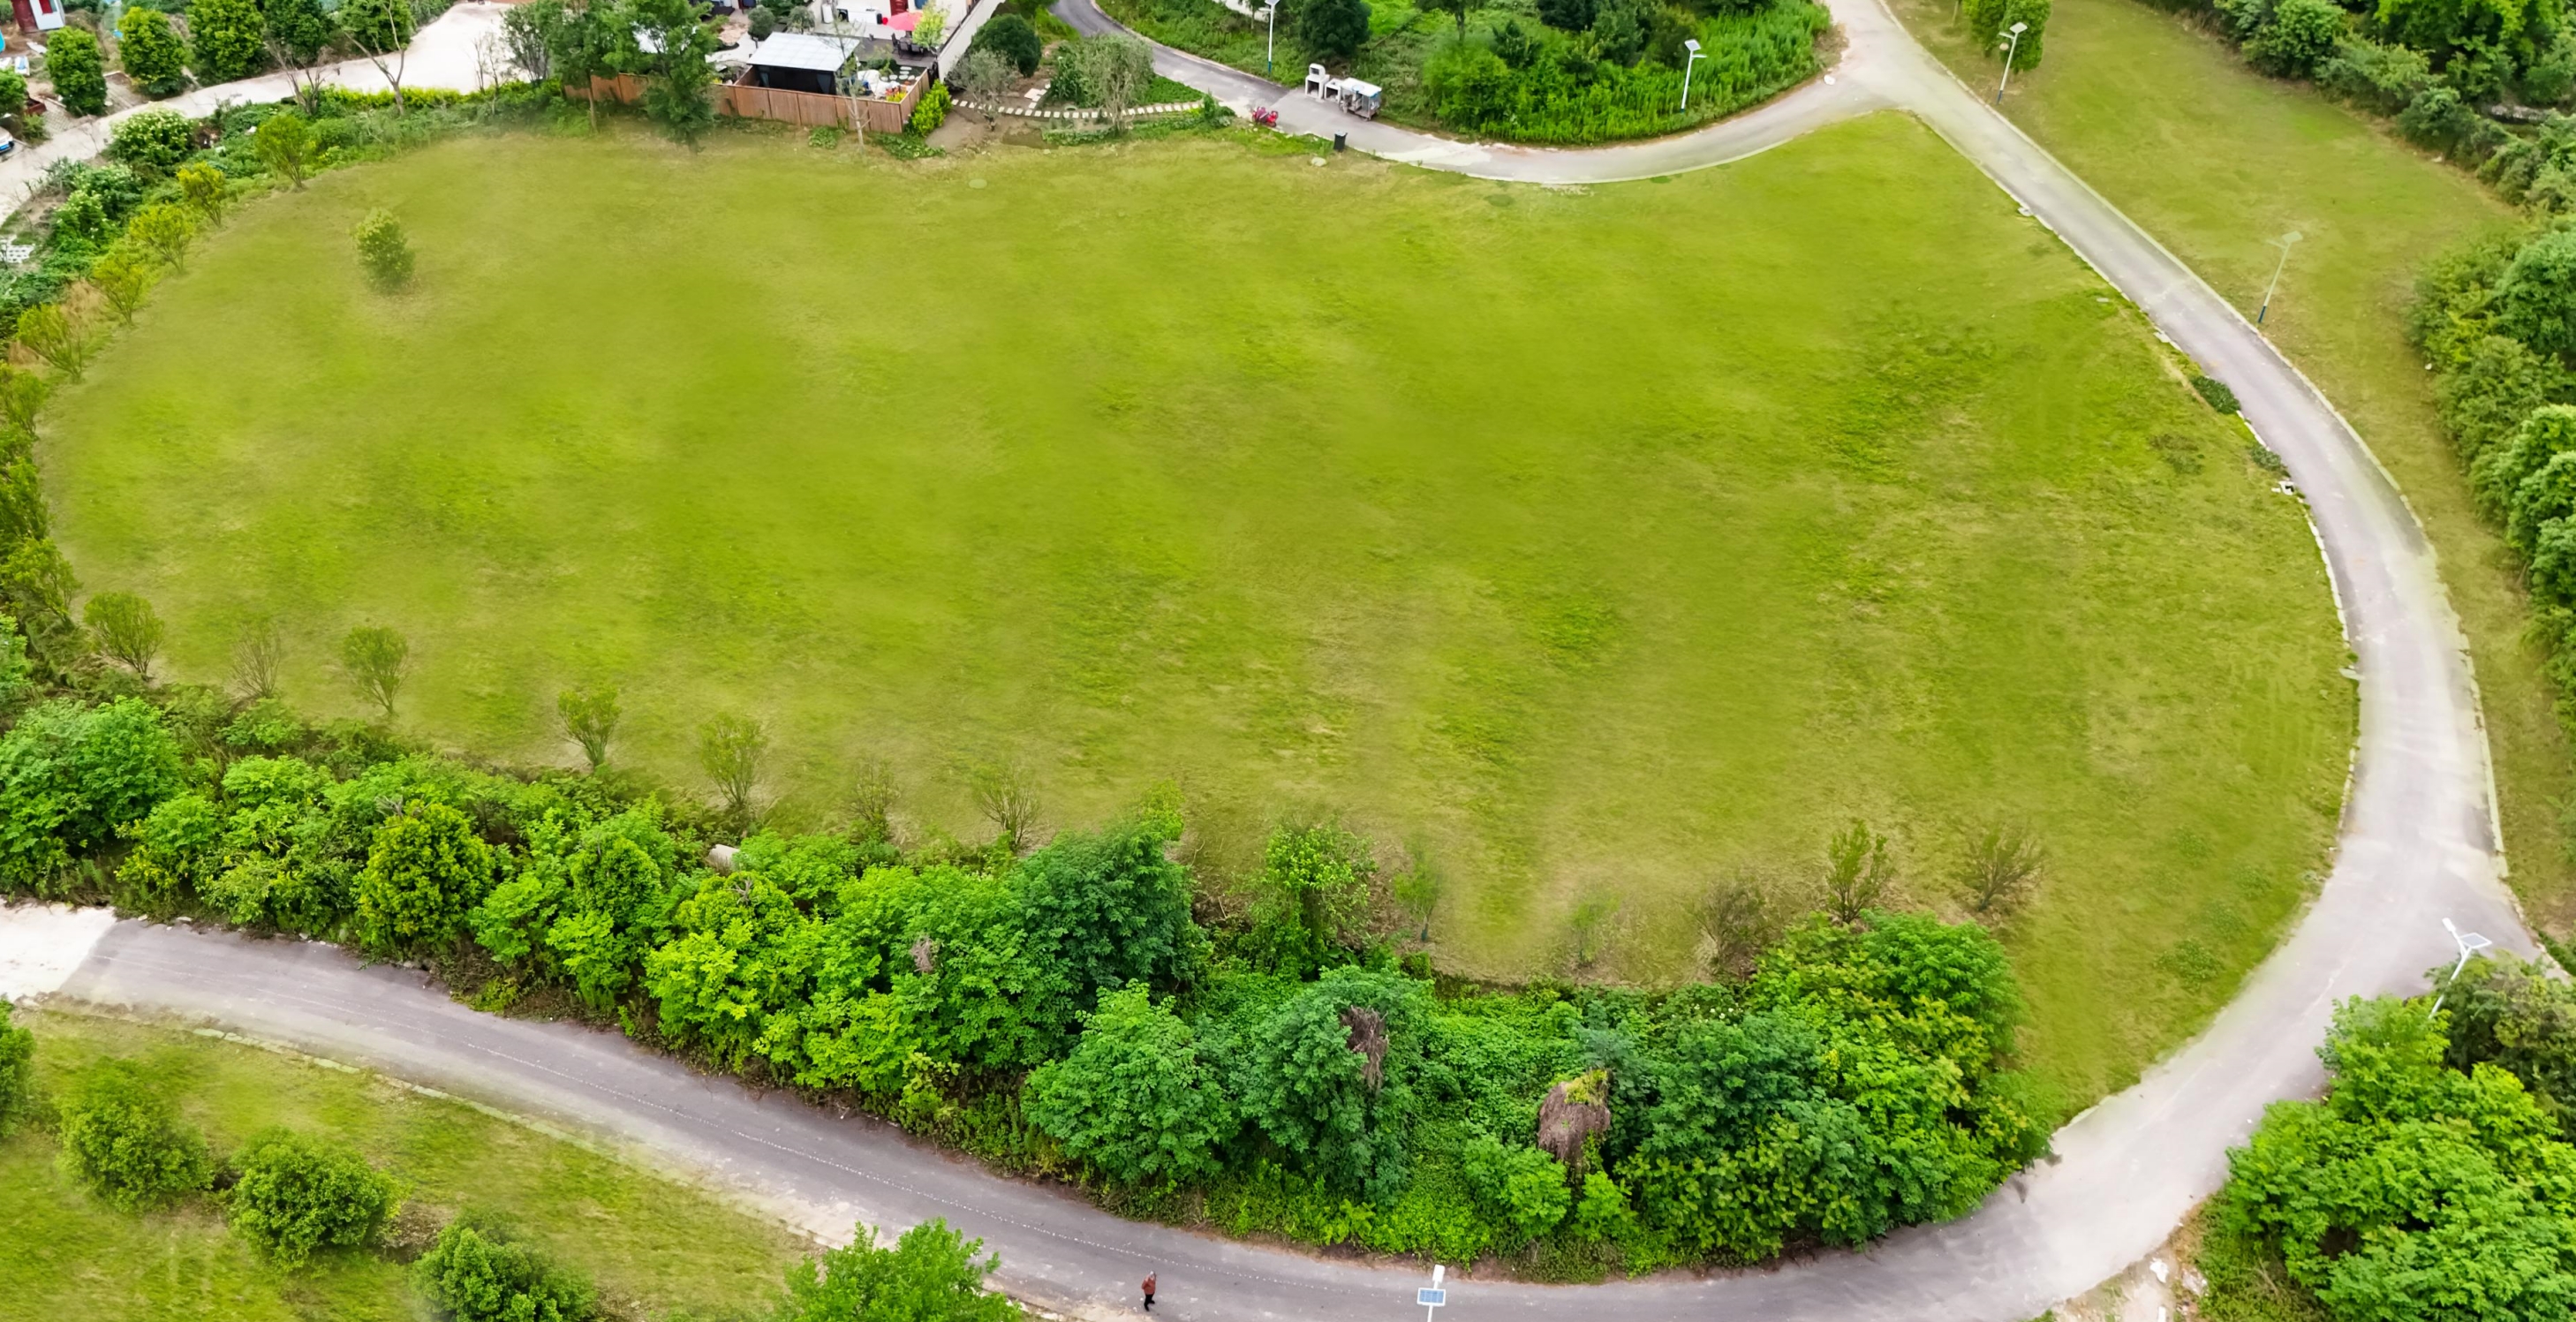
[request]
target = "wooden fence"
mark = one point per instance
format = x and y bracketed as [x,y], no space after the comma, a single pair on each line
[811,109]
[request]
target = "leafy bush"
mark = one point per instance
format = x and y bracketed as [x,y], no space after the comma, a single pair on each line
[929,1275]
[1334,29]
[73,60]
[17,1073]
[2375,76]
[931,112]
[2301,35]
[153,56]
[2215,392]
[475,1273]
[296,1195]
[226,39]
[425,872]
[386,254]
[152,141]
[1011,37]
[123,1137]
[70,776]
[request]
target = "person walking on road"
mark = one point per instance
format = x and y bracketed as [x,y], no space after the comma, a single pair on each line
[1149,1292]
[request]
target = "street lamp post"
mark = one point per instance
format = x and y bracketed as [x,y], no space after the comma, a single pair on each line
[2012,48]
[2283,243]
[2469,943]
[1691,45]
[1272,47]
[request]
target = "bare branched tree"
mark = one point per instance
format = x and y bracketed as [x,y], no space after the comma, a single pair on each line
[872,798]
[1739,918]
[257,658]
[2002,869]
[1857,873]
[377,660]
[732,750]
[127,630]
[1007,799]
[589,718]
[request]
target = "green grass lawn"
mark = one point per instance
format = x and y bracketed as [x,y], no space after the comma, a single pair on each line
[1604,542]
[2214,160]
[662,1249]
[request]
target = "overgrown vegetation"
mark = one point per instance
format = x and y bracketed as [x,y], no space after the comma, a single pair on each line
[2497,320]
[2435,1182]
[1059,1010]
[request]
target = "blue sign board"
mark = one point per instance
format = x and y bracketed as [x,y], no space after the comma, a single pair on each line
[1430,1298]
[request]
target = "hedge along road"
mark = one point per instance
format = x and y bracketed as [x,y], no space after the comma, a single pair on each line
[2417,846]
[442,55]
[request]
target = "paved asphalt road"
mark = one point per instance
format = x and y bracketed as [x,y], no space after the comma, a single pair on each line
[2417,846]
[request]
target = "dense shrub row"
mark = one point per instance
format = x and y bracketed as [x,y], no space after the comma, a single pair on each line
[2497,323]
[2435,1182]
[1065,1010]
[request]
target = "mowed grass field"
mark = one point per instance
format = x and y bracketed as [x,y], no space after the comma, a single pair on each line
[1599,544]
[662,1249]
[2215,160]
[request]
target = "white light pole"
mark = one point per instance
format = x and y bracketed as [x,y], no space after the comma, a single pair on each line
[2469,943]
[2283,243]
[1431,1299]
[1691,45]
[2012,48]
[1272,48]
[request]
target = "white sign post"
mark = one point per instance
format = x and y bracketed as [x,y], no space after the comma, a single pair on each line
[1432,1296]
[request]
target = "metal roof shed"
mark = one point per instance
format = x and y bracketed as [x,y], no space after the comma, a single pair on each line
[803,61]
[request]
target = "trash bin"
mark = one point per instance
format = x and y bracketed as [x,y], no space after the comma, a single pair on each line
[1341,141]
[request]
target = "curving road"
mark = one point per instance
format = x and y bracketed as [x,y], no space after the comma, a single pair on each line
[2418,845]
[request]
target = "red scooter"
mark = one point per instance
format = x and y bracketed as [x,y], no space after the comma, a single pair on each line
[1265,117]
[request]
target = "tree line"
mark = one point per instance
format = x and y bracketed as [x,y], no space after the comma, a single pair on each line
[2436,1179]
[1264,1054]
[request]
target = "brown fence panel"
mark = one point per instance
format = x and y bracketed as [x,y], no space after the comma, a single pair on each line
[808,109]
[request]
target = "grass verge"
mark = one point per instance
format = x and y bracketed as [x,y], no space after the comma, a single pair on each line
[2215,161]
[659,1249]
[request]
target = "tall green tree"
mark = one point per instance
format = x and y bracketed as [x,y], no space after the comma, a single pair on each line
[1112,908]
[1330,1077]
[679,91]
[1311,899]
[227,39]
[1134,1099]
[285,146]
[70,776]
[596,39]
[152,54]
[426,870]
[79,71]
